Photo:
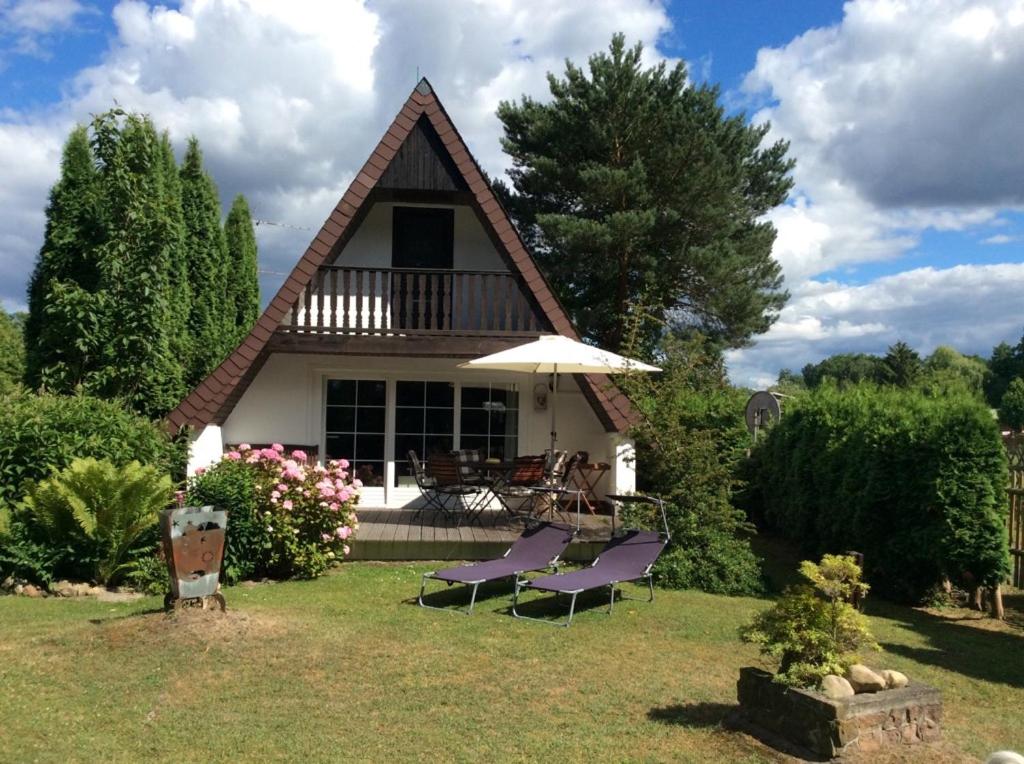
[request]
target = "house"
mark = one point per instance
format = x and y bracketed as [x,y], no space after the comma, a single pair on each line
[416,270]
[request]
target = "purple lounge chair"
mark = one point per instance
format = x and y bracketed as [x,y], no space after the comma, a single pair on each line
[629,557]
[538,548]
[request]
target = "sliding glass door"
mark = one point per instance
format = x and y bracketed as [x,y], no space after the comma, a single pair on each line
[355,426]
[424,423]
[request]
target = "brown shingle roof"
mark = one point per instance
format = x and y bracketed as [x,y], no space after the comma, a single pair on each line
[214,398]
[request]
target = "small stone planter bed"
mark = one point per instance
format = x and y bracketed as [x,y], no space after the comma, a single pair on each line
[828,728]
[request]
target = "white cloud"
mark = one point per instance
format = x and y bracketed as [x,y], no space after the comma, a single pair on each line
[1000,238]
[26,26]
[289,99]
[972,307]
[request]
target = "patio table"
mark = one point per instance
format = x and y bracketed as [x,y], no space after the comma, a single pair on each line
[585,478]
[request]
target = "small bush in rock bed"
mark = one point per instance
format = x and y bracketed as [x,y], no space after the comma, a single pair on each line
[287,520]
[916,483]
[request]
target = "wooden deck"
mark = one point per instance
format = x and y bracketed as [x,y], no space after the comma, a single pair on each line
[399,534]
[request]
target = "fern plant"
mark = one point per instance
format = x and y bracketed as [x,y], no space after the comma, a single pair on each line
[98,505]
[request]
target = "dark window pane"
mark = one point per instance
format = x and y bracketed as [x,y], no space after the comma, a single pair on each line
[371,393]
[371,473]
[408,393]
[438,444]
[440,394]
[409,420]
[406,443]
[474,441]
[422,237]
[504,422]
[501,395]
[474,422]
[474,397]
[339,447]
[370,420]
[341,418]
[440,421]
[341,391]
[369,447]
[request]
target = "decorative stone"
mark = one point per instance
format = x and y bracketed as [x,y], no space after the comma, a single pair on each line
[18,588]
[63,589]
[31,591]
[836,687]
[8,583]
[864,679]
[856,724]
[894,679]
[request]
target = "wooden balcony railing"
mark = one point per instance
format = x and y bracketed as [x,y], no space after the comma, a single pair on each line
[408,301]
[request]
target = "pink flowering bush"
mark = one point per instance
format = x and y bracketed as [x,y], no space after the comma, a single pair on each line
[288,519]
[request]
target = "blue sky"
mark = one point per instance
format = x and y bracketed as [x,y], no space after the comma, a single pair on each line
[906,221]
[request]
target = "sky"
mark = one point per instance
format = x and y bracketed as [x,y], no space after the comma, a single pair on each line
[905,117]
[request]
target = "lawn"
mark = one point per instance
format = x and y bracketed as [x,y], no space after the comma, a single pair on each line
[346,668]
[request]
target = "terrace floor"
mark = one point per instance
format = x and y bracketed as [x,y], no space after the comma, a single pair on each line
[404,534]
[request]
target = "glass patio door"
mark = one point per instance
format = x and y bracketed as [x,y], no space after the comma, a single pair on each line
[424,423]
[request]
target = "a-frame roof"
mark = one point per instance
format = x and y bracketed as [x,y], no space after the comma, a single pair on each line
[214,398]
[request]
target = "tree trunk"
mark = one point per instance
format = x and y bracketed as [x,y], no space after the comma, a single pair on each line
[976,598]
[996,594]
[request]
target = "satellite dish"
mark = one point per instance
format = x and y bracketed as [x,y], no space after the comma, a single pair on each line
[763,408]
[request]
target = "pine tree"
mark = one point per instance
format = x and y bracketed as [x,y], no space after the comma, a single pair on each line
[243,282]
[206,251]
[1011,409]
[135,263]
[902,366]
[60,331]
[637,192]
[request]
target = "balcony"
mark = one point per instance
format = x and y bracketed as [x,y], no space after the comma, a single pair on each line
[400,302]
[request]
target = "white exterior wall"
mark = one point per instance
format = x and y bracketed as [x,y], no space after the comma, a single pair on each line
[205,448]
[285,404]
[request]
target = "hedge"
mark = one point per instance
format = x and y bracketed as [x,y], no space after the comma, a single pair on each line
[916,483]
[43,433]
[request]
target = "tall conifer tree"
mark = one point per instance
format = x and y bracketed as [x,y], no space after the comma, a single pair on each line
[243,281]
[60,337]
[206,251]
[180,292]
[135,263]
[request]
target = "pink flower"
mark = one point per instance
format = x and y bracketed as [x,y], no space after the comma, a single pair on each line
[345,549]
[299,455]
[305,494]
[253,457]
[277,447]
[357,483]
[343,496]
[343,532]
[343,463]
[244,447]
[325,537]
[287,504]
[320,469]
[233,456]
[273,500]
[282,487]
[275,494]
[323,504]
[200,470]
[271,454]
[334,506]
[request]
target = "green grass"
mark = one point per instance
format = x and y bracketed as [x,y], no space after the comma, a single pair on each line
[346,668]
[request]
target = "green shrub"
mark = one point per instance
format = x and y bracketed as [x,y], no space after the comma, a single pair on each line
[43,433]
[148,573]
[98,512]
[916,483]
[286,519]
[813,630]
[690,438]
[230,485]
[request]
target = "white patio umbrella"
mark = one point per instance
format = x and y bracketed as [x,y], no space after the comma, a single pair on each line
[554,354]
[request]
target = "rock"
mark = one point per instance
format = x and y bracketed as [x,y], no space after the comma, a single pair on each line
[18,588]
[63,589]
[8,584]
[31,591]
[835,687]
[894,679]
[864,679]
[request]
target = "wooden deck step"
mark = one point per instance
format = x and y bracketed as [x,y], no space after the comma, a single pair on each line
[404,534]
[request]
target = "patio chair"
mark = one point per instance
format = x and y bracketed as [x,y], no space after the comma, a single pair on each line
[426,484]
[450,488]
[538,548]
[467,458]
[516,488]
[629,557]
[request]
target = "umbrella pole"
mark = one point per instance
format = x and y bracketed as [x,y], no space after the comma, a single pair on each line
[554,406]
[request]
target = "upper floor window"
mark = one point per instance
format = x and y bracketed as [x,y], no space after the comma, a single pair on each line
[423,237]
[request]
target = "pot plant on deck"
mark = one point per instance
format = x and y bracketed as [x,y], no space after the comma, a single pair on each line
[821,698]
